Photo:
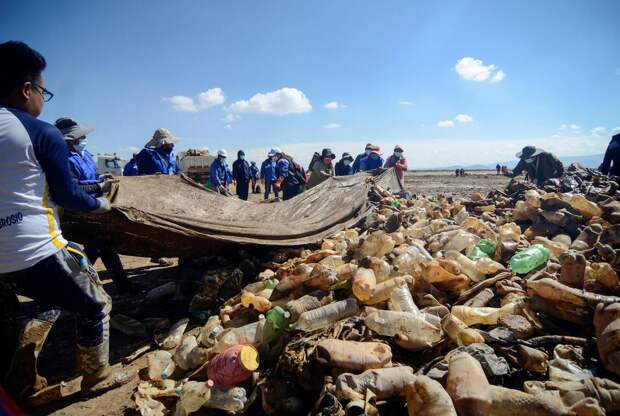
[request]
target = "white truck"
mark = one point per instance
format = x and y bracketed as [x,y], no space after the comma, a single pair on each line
[196,164]
[107,163]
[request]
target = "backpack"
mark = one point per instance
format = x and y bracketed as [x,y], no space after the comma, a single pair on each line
[295,169]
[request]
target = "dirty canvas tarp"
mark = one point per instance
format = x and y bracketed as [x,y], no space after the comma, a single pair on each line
[171,216]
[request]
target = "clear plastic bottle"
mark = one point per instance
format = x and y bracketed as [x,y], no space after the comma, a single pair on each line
[353,355]
[385,383]
[458,332]
[175,334]
[363,284]
[346,271]
[509,232]
[258,303]
[181,354]
[192,396]
[303,304]
[383,290]
[376,245]
[160,365]
[461,241]
[489,266]
[250,334]
[210,331]
[230,399]
[467,265]
[401,299]
[482,315]
[332,262]
[426,397]
[327,315]
[414,328]
[556,249]
[529,259]
[467,385]
[380,267]
[321,277]
[587,208]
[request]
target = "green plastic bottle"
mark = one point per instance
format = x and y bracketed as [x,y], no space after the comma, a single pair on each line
[476,254]
[277,321]
[395,203]
[487,246]
[529,259]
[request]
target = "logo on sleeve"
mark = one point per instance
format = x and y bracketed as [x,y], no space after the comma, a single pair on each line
[11,220]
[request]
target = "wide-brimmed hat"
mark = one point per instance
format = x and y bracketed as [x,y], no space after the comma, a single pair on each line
[161,137]
[71,129]
[347,156]
[528,152]
[376,150]
[327,152]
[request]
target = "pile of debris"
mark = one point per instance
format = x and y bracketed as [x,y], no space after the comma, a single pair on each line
[477,306]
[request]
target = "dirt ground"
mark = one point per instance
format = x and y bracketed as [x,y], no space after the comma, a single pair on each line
[57,358]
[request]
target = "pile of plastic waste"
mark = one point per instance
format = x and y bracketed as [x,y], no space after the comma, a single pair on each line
[500,305]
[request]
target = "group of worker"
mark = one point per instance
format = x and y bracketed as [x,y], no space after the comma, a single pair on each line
[48,167]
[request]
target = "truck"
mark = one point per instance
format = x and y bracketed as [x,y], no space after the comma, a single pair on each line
[196,164]
[110,163]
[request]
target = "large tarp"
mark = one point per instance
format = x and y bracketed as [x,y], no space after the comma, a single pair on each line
[172,216]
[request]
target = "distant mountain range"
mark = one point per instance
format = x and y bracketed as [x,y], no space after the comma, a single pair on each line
[591,161]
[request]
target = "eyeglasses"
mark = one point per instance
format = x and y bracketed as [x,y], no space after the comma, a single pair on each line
[47,95]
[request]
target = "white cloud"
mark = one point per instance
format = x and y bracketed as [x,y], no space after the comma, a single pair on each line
[473,69]
[228,127]
[599,130]
[231,118]
[615,130]
[445,124]
[207,99]
[332,126]
[280,102]
[182,103]
[574,126]
[334,105]
[464,118]
[404,102]
[132,149]
[499,76]
[556,136]
[211,98]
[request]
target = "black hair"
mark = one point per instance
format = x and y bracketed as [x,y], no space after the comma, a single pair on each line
[20,63]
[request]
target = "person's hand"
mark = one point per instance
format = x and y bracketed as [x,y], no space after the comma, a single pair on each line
[107,175]
[221,189]
[104,206]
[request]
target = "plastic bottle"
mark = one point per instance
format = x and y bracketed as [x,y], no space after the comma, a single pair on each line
[276,322]
[586,208]
[573,269]
[160,365]
[480,228]
[303,304]
[326,315]
[555,248]
[482,315]
[321,277]
[587,238]
[426,397]
[529,259]
[509,232]
[250,334]
[487,247]
[332,262]
[385,383]
[210,331]
[380,267]
[488,266]
[401,299]
[414,328]
[467,265]
[353,355]
[175,334]
[250,300]
[467,385]
[604,274]
[458,332]
[476,253]
[532,198]
[193,395]
[182,352]
[233,366]
[346,271]
[461,241]
[434,273]
[383,290]
[376,245]
[227,398]
[363,284]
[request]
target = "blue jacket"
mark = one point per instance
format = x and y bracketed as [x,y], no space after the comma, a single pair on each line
[131,168]
[254,172]
[152,161]
[84,170]
[282,168]
[611,161]
[343,170]
[371,163]
[241,171]
[356,162]
[220,174]
[268,171]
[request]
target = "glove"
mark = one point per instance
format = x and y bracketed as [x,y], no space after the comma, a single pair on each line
[107,176]
[106,186]
[104,206]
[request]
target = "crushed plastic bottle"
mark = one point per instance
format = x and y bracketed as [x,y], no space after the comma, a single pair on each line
[380,267]
[175,334]
[458,332]
[415,329]
[482,315]
[210,331]
[401,299]
[426,397]
[384,383]
[383,290]
[363,284]
[586,208]
[529,259]
[467,385]
[326,315]
[181,355]
[193,395]
[352,355]
[230,399]
[509,232]
[376,245]
[160,365]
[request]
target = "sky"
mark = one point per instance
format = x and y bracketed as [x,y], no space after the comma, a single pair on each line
[452,81]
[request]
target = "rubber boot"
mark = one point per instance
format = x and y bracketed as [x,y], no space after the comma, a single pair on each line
[22,377]
[97,374]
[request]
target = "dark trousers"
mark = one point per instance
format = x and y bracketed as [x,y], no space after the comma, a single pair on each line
[110,260]
[243,189]
[58,282]
[268,187]
[290,191]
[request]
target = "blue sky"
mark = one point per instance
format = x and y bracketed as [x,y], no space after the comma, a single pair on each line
[451,81]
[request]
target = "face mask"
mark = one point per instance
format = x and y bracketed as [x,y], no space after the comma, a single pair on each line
[327,161]
[367,152]
[81,146]
[374,156]
[398,154]
[346,162]
[241,157]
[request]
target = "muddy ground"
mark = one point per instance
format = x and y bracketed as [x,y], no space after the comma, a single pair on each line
[57,358]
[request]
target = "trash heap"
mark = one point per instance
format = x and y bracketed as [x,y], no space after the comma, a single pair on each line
[507,304]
